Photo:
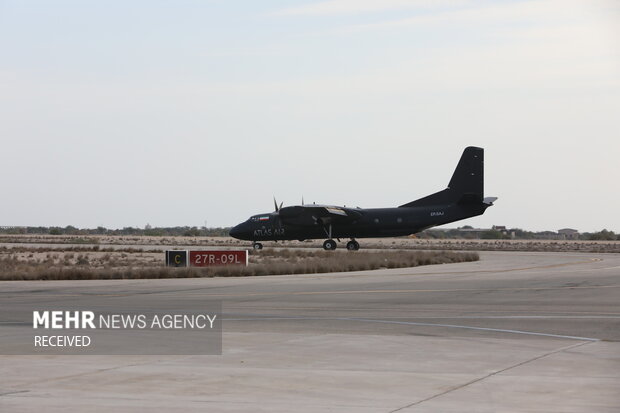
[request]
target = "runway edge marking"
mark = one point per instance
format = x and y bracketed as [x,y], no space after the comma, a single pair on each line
[490,375]
[412,323]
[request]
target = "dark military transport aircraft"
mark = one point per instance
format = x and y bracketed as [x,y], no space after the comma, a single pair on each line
[463,198]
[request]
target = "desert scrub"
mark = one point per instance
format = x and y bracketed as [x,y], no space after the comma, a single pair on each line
[266,262]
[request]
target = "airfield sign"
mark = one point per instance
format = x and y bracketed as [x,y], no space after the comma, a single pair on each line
[184,258]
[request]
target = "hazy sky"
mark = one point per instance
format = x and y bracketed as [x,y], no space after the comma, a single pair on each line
[123,113]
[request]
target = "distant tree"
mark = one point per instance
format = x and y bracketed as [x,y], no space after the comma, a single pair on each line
[521,234]
[192,232]
[162,231]
[154,232]
[603,235]
[492,234]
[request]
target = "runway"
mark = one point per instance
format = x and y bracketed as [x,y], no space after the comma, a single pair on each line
[516,331]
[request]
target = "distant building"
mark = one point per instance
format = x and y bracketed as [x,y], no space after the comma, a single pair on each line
[547,235]
[568,233]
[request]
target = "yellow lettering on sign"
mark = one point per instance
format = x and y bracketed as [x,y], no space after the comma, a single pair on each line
[177,259]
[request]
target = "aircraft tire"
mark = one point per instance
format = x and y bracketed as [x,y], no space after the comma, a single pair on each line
[329,245]
[257,246]
[353,245]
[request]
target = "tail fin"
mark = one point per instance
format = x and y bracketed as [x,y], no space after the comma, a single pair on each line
[466,185]
[468,177]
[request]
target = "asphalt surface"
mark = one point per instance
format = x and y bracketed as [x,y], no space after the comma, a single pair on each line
[531,332]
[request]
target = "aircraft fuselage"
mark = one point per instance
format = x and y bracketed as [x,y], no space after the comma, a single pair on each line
[463,198]
[373,223]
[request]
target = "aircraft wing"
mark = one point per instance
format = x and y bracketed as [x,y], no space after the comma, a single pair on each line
[305,215]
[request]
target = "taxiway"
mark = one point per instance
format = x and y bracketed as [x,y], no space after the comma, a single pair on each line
[516,331]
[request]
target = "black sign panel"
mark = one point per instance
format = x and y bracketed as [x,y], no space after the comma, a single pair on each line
[176,258]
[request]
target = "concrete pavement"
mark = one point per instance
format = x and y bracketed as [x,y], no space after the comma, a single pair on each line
[530,332]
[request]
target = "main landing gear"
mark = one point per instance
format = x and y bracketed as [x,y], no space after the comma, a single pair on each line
[330,245]
[257,245]
[353,245]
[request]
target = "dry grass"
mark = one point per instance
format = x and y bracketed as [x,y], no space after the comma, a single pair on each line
[108,241]
[37,265]
[60,248]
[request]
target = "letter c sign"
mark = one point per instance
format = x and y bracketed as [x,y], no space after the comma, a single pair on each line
[176,258]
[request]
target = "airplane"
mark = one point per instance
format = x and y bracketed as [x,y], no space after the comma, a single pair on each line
[463,198]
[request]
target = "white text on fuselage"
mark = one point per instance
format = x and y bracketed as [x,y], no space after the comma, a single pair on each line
[436,213]
[268,232]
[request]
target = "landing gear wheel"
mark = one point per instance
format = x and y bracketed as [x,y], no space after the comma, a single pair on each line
[257,246]
[353,245]
[329,245]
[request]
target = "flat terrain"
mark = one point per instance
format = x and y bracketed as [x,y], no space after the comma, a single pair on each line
[516,331]
[67,262]
[153,243]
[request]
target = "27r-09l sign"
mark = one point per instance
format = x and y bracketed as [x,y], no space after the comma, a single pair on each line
[208,258]
[184,258]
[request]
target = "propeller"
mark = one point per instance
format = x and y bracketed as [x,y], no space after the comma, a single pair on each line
[275,204]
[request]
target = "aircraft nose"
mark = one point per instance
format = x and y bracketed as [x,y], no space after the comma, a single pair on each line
[237,231]
[234,231]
